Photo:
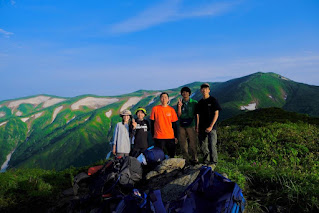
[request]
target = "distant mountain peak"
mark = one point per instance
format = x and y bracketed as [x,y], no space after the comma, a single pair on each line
[47,101]
[93,102]
[53,132]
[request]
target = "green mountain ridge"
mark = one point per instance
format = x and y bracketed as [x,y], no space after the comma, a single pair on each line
[54,132]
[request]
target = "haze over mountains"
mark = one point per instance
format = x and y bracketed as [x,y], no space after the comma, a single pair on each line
[55,132]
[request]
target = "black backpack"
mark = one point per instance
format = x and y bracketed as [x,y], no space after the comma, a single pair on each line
[130,171]
[106,186]
[125,172]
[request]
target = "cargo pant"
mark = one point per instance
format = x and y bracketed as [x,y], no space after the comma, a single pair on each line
[188,147]
[208,145]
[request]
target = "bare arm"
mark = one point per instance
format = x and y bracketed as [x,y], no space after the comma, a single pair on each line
[208,129]
[197,123]
[115,139]
[179,107]
[114,149]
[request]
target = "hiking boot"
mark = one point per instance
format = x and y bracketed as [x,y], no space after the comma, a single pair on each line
[213,165]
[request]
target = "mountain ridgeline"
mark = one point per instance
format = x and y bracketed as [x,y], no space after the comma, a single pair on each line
[52,132]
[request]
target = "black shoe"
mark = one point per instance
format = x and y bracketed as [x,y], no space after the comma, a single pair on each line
[205,159]
[187,165]
[193,162]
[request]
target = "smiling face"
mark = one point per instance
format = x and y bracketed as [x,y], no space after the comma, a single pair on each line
[164,99]
[185,95]
[205,92]
[126,118]
[140,115]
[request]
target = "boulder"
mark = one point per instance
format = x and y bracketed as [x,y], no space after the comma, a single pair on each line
[167,166]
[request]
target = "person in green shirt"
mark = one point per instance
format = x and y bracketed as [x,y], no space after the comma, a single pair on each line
[188,119]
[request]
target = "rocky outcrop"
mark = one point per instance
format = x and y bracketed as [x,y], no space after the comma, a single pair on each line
[172,177]
[167,166]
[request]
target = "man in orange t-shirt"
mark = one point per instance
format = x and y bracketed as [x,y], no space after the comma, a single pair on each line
[163,121]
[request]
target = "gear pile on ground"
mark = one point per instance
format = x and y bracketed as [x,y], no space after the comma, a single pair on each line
[121,186]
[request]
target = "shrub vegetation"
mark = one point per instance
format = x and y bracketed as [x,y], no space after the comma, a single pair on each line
[277,152]
[272,154]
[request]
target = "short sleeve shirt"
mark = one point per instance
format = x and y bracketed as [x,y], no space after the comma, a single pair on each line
[206,109]
[163,118]
[141,132]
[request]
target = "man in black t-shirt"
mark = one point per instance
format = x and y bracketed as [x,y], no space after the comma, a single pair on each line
[207,111]
[141,128]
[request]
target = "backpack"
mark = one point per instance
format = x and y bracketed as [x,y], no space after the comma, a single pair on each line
[140,202]
[125,172]
[105,184]
[154,155]
[94,189]
[210,192]
[102,179]
[130,171]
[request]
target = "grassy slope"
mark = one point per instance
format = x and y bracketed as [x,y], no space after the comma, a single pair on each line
[255,88]
[277,152]
[303,99]
[80,142]
[46,139]
[7,112]
[13,133]
[270,153]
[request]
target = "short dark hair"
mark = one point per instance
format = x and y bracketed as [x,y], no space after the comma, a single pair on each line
[204,85]
[164,93]
[186,89]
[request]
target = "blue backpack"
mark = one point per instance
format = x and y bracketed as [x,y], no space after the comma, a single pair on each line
[140,202]
[210,192]
[154,155]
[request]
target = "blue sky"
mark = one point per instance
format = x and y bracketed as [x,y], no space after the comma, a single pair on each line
[107,47]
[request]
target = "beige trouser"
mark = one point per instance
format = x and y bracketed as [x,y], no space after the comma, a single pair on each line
[189,147]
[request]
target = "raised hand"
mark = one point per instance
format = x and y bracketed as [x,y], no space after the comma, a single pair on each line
[180,103]
[134,123]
